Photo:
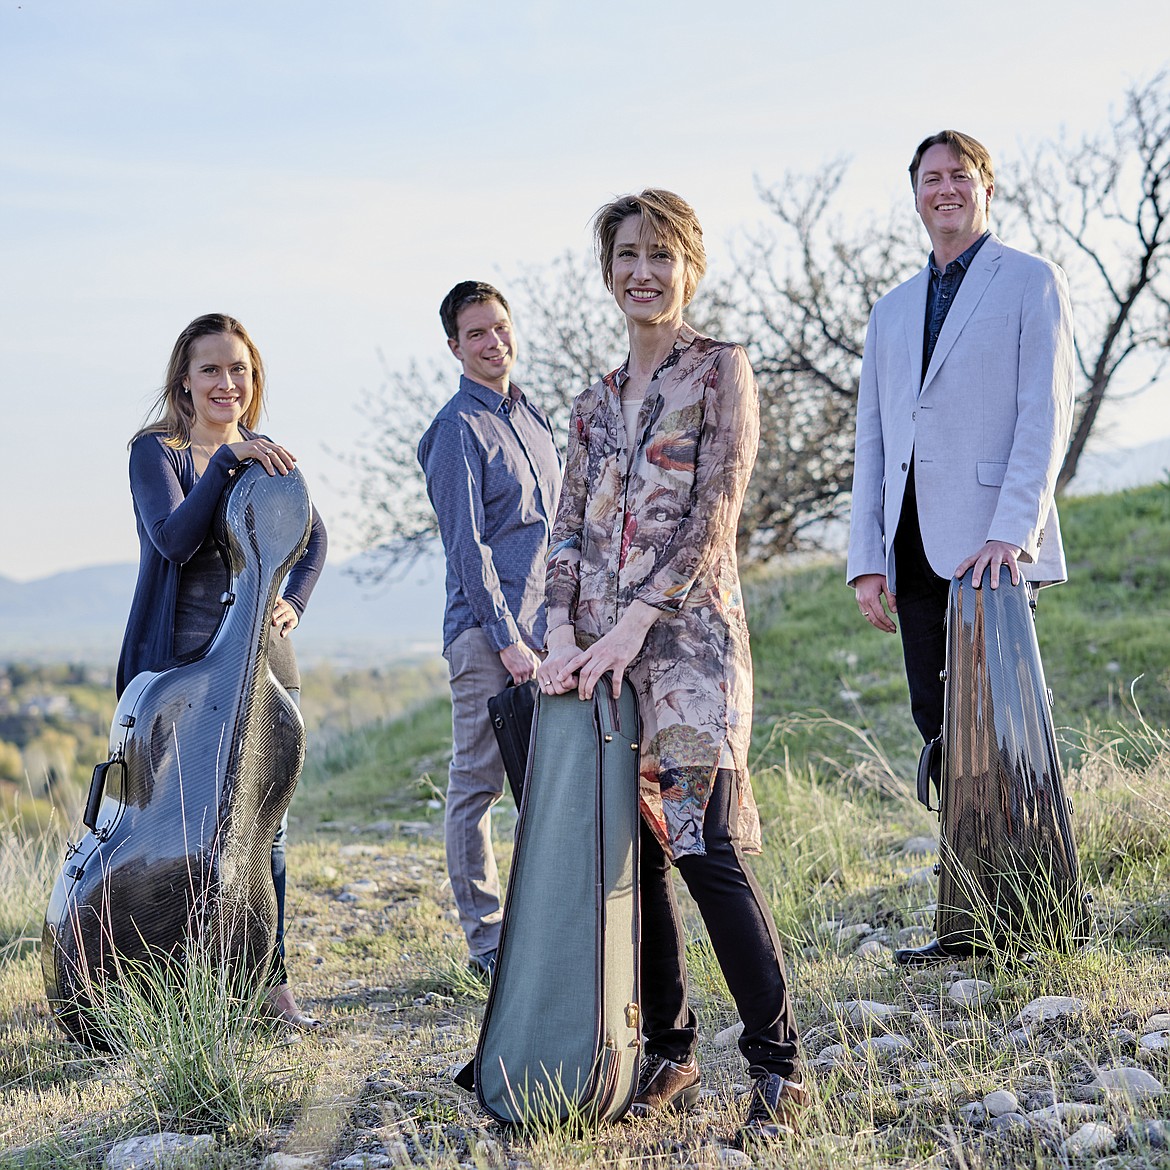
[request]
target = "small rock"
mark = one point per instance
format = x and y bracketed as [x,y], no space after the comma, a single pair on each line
[728,1036]
[921,877]
[1020,1038]
[1155,1041]
[347,897]
[1123,1041]
[156,1149]
[1093,1138]
[863,1013]
[831,1142]
[1134,1084]
[381,827]
[969,992]
[1050,1007]
[362,1161]
[1160,1022]
[830,926]
[288,1162]
[873,951]
[1064,1113]
[919,847]
[972,1113]
[832,1055]
[1001,1102]
[363,887]
[726,1156]
[1152,1134]
[883,1047]
[1006,1122]
[848,933]
[487,1150]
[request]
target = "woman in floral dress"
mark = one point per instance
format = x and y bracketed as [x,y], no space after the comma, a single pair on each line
[643,583]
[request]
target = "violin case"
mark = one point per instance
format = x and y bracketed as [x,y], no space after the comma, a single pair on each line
[1008,870]
[560,1038]
[204,758]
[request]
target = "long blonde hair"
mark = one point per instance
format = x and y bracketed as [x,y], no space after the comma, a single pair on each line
[172,414]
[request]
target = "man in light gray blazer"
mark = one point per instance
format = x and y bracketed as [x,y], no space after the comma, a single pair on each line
[963,418]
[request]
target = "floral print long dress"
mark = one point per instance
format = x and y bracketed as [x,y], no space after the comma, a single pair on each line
[660,528]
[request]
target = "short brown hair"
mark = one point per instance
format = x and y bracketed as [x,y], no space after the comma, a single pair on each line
[467,292]
[967,149]
[671,220]
[172,413]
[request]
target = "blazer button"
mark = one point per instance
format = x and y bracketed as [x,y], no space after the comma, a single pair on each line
[609,621]
[903,466]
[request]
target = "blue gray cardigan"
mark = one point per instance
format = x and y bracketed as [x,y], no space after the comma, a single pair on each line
[174,513]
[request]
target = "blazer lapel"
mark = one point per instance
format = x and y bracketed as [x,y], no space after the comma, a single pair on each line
[915,317]
[971,291]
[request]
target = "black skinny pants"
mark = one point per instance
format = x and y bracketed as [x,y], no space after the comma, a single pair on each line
[742,933]
[922,597]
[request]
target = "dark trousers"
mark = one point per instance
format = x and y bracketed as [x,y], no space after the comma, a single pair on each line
[742,933]
[922,617]
[278,973]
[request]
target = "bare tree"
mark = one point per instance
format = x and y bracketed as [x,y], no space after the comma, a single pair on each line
[1100,208]
[799,299]
[800,305]
[393,516]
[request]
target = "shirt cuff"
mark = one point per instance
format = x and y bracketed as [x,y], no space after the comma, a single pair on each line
[503,632]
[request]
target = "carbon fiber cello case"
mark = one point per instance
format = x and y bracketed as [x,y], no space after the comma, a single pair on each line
[204,758]
[560,1038]
[1009,876]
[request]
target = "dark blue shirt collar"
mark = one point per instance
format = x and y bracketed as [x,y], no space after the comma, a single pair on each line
[964,261]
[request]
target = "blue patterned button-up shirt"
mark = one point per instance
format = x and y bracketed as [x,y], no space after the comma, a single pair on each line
[493,476]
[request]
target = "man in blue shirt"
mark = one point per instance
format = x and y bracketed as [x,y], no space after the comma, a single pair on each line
[493,474]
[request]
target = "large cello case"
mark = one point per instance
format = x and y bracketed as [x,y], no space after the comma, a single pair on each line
[204,758]
[1008,871]
[560,1038]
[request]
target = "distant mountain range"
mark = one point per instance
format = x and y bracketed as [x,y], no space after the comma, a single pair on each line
[78,616]
[1103,471]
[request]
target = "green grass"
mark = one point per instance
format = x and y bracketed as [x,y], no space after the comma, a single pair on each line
[1104,638]
[833,750]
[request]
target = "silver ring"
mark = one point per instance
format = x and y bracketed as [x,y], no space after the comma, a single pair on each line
[865,613]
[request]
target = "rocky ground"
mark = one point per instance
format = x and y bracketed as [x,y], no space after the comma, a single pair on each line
[938,1070]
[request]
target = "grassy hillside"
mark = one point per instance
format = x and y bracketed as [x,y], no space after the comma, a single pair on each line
[374,948]
[1105,633]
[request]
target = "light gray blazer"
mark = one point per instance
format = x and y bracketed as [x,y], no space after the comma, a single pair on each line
[989,428]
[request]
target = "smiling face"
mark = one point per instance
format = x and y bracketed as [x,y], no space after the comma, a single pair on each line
[650,279]
[953,200]
[485,345]
[219,380]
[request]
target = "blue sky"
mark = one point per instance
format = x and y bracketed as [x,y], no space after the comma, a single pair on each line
[326,172]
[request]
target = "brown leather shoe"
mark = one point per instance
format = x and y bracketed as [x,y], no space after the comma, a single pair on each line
[774,1109]
[663,1085]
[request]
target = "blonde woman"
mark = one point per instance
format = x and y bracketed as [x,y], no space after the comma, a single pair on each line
[643,582]
[203,428]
